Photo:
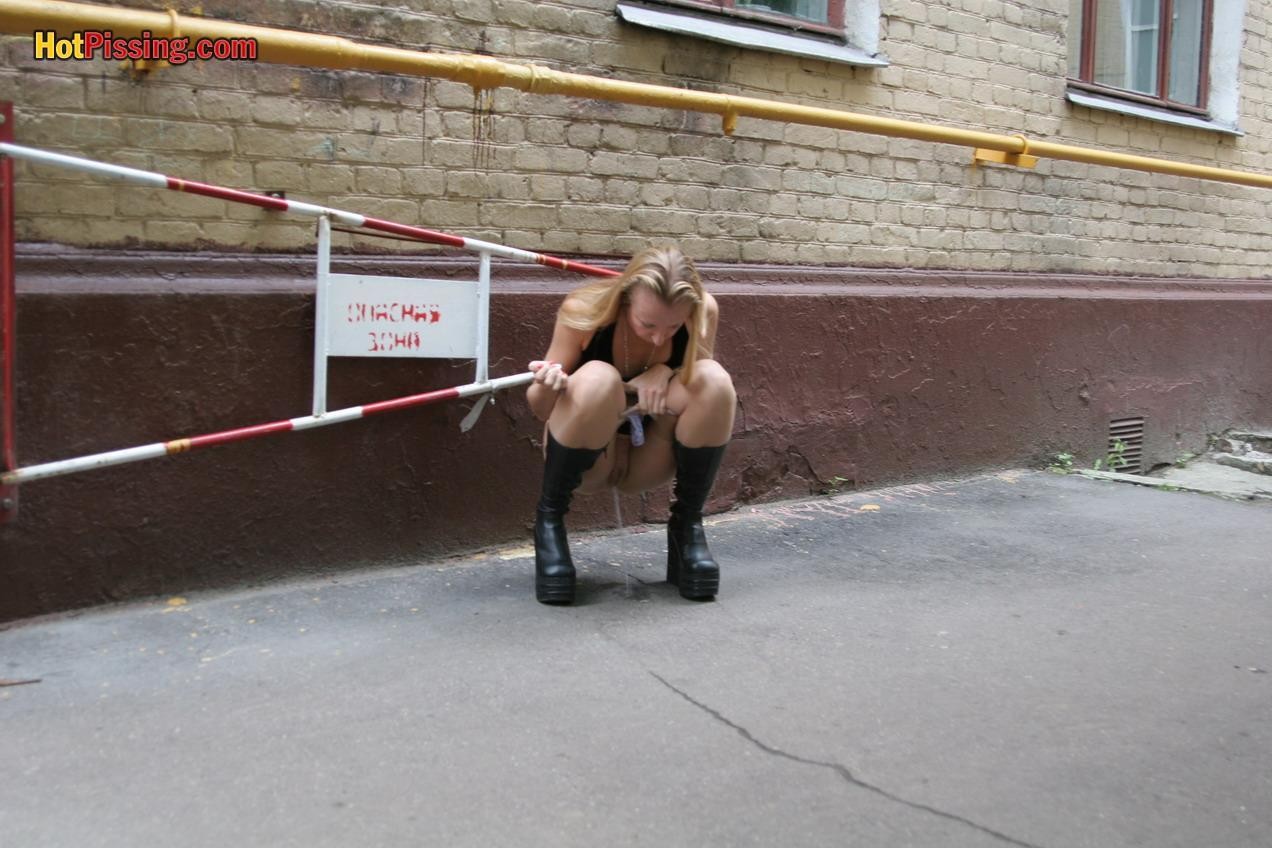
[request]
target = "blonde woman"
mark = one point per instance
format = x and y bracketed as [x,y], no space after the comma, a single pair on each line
[650,333]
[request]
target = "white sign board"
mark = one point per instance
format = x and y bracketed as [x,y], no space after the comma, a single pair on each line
[397,317]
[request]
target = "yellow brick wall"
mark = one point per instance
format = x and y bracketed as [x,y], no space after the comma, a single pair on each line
[583,177]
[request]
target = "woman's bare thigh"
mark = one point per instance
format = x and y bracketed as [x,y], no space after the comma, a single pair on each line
[651,465]
[595,478]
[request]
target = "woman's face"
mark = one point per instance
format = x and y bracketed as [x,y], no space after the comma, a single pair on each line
[652,319]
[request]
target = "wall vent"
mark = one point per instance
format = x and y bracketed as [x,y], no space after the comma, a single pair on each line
[1130,432]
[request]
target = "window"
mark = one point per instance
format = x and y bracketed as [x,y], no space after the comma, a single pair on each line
[816,15]
[845,31]
[1155,52]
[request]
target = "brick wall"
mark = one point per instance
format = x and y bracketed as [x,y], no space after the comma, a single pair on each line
[573,176]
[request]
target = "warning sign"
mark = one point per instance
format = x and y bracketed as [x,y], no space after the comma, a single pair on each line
[393,316]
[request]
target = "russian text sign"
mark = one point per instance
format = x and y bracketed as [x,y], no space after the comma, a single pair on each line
[397,317]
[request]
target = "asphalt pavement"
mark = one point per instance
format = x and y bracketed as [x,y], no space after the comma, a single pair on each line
[1020,658]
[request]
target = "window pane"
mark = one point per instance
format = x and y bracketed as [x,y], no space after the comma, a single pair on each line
[1074,37]
[1145,13]
[1126,41]
[1146,39]
[1185,52]
[812,10]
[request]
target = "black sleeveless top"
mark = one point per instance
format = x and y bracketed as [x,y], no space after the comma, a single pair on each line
[602,346]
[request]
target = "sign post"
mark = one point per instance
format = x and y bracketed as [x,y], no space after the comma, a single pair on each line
[320,317]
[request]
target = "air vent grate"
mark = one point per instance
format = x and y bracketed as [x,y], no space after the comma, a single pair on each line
[1129,433]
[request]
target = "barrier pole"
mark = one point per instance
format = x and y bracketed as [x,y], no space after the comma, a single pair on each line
[279,204]
[308,422]
[8,324]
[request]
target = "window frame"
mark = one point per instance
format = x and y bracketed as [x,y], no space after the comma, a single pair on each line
[834,14]
[1086,62]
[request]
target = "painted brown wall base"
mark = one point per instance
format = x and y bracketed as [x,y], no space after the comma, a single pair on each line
[845,378]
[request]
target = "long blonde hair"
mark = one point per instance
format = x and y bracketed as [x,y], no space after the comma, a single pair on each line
[666,272]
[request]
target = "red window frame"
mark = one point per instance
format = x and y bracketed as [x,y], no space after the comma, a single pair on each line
[1086,70]
[834,12]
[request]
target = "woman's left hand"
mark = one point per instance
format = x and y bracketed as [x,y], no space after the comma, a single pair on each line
[650,389]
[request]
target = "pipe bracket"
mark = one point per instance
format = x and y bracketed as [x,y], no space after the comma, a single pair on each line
[141,68]
[1021,159]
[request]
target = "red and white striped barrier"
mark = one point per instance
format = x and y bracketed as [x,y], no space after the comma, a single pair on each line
[279,204]
[307,422]
[482,387]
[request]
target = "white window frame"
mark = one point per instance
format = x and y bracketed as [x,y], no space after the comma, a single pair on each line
[860,45]
[1223,100]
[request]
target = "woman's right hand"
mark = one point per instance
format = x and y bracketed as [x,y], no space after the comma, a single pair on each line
[549,374]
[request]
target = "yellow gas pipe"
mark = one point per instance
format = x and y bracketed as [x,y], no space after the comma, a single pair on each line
[23,17]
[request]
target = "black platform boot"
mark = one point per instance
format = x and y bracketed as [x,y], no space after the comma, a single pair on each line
[553,569]
[689,563]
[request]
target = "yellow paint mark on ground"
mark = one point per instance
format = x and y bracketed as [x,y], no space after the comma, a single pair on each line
[868,508]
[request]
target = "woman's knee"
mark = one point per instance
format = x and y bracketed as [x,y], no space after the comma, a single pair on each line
[712,384]
[595,384]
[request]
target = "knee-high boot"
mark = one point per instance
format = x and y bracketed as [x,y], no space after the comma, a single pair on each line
[553,568]
[690,565]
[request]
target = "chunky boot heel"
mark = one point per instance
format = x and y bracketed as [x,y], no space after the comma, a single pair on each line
[690,565]
[554,590]
[553,567]
[701,579]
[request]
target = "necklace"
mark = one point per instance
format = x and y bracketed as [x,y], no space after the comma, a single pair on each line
[627,368]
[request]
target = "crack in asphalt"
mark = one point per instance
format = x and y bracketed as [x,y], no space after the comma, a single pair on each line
[838,769]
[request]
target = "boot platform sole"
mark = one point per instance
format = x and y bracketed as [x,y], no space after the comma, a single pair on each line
[693,587]
[554,590]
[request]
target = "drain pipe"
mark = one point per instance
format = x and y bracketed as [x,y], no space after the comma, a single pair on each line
[23,17]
